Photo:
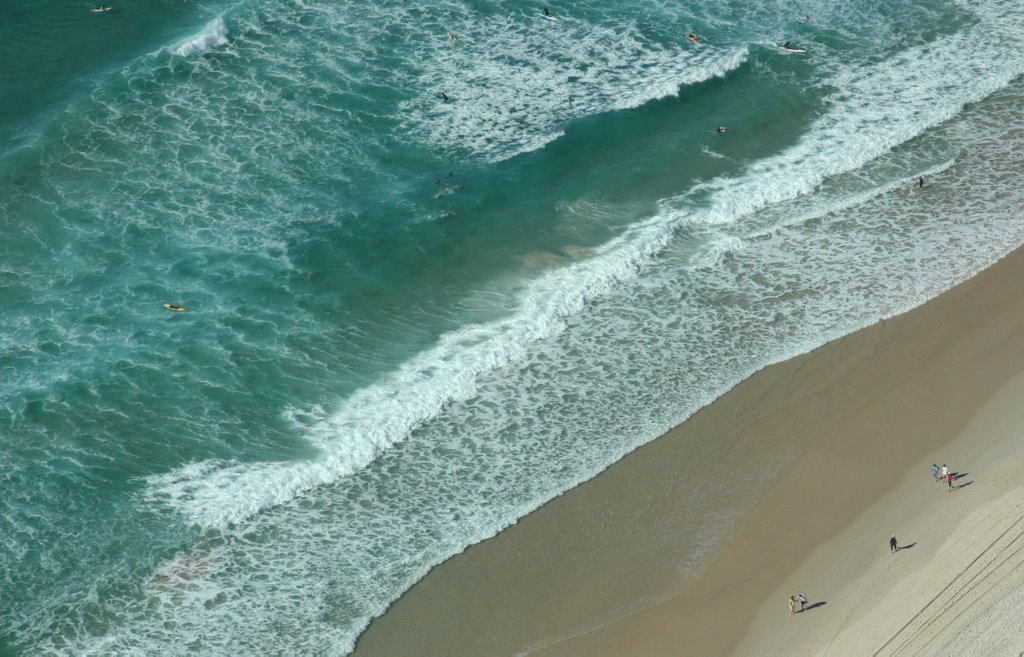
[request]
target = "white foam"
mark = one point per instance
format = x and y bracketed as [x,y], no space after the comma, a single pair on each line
[377,417]
[514,91]
[214,35]
[880,106]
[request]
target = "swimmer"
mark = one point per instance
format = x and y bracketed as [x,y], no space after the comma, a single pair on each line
[444,97]
[453,37]
[692,37]
[451,174]
[448,214]
[720,129]
[804,20]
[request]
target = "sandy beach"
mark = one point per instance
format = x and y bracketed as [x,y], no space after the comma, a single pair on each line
[858,424]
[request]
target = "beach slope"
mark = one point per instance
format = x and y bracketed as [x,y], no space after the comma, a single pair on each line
[851,430]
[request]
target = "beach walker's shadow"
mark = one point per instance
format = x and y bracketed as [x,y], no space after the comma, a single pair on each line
[905,547]
[966,483]
[958,475]
[815,605]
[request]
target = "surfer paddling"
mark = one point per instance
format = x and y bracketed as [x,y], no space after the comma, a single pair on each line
[692,37]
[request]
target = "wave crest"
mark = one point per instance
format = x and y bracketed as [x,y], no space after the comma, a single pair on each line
[214,35]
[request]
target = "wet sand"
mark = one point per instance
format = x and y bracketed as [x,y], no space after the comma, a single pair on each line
[814,463]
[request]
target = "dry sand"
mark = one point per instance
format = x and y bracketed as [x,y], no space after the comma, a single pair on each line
[953,587]
[860,421]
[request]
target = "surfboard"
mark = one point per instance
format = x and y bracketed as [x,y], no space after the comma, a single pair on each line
[796,50]
[550,18]
[177,309]
[100,10]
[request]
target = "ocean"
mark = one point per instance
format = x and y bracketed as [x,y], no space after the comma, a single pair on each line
[441,261]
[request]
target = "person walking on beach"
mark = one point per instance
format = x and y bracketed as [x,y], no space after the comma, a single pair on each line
[893,545]
[949,480]
[803,601]
[935,472]
[792,605]
[945,471]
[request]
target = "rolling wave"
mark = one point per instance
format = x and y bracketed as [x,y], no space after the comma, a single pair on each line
[214,35]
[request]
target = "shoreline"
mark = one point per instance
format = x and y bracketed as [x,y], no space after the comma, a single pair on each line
[839,428]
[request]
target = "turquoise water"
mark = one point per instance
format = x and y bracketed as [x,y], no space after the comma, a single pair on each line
[382,363]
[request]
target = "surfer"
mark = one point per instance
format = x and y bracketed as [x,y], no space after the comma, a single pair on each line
[720,129]
[451,174]
[692,37]
[99,9]
[804,20]
[920,181]
[546,12]
[171,306]
[787,46]
[453,37]
[448,214]
[444,97]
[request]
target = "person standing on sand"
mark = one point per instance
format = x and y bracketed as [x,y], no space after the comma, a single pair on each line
[949,480]
[893,545]
[803,601]
[935,472]
[792,605]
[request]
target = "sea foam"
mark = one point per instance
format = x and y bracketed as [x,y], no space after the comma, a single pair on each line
[214,35]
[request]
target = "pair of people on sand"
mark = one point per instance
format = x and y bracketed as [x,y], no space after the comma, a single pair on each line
[793,599]
[947,475]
